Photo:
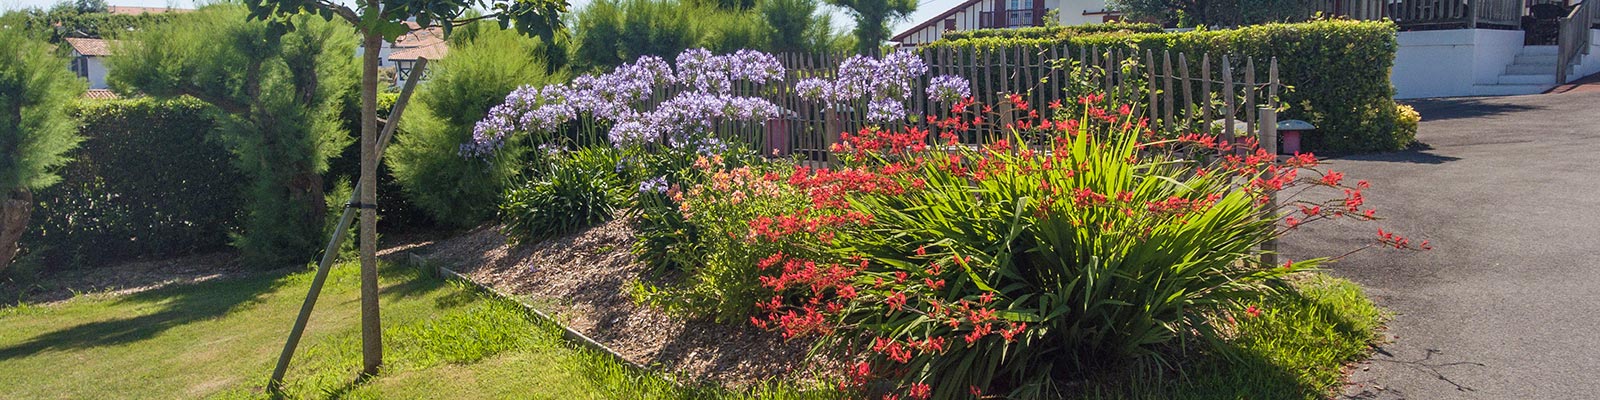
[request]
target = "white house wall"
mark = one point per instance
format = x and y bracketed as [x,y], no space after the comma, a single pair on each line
[1072,11]
[97,73]
[1447,63]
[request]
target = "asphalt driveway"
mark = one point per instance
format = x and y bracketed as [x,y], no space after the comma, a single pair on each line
[1507,305]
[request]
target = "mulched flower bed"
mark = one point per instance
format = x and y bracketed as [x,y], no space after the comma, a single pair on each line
[584,280]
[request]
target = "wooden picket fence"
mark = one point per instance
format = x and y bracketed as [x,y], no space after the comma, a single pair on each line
[1179,94]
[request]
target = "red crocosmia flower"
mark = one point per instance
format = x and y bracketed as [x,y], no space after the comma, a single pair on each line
[1332,178]
[891,396]
[1291,221]
[896,301]
[900,276]
[1252,311]
[1288,264]
[1363,184]
[922,250]
[920,391]
[974,389]
[1371,213]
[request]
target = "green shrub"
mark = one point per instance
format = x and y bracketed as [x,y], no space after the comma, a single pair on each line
[1055,32]
[426,159]
[577,190]
[277,96]
[1337,70]
[149,180]
[35,129]
[1076,246]
[1406,120]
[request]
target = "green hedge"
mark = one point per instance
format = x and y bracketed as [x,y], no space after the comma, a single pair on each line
[1338,71]
[145,182]
[1055,32]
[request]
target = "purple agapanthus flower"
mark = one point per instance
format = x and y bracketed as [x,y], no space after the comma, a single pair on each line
[948,88]
[619,97]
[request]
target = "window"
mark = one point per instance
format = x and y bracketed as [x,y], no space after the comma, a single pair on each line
[1019,18]
[1019,13]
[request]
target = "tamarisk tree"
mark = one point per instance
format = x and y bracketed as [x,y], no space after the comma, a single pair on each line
[277,99]
[377,21]
[36,129]
[873,18]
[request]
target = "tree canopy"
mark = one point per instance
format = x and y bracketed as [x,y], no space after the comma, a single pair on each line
[873,18]
[277,97]
[36,130]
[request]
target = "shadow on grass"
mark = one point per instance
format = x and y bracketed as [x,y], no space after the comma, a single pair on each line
[179,305]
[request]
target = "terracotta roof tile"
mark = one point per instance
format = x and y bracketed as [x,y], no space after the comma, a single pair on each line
[91,47]
[100,94]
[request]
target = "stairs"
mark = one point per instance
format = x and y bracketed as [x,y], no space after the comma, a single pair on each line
[1533,71]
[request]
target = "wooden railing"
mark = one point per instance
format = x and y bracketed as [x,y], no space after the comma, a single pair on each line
[1574,39]
[1430,14]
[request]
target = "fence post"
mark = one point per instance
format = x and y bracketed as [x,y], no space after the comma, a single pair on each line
[831,126]
[1268,129]
[1472,13]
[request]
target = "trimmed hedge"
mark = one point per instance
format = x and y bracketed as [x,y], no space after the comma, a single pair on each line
[145,182]
[1055,32]
[1337,71]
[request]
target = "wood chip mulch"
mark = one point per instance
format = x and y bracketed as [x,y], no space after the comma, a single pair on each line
[584,280]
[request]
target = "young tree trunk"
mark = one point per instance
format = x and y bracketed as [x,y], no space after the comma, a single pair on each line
[371,329]
[15,210]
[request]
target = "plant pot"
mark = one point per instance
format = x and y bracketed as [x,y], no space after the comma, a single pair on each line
[1290,143]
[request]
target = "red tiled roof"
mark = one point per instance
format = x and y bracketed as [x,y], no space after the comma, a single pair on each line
[90,47]
[100,94]
[433,52]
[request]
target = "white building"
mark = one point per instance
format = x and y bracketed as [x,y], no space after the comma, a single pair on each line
[88,60]
[983,14]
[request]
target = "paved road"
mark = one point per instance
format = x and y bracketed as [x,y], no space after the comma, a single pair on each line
[1507,306]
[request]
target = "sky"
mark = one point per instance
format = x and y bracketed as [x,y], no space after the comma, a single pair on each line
[925,8]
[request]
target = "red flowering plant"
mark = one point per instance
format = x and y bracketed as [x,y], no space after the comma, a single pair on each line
[957,271]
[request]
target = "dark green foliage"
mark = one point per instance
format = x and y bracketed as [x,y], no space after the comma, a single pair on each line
[146,182]
[55,24]
[1055,32]
[873,18]
[579,189]
[1214,12]
[612,32]
[278,100]
[426,160]
[1337,71]
[35,128]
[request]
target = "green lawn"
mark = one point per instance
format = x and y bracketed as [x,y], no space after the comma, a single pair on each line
[220,340]
[444,340]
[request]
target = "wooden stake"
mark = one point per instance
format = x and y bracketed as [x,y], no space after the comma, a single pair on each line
[275,384]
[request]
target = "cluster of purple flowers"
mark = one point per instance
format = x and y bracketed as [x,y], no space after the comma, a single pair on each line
[654,185]
[885,83]
[619,96]
[948,88]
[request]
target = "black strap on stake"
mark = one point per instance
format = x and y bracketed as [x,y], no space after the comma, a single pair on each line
[360,205]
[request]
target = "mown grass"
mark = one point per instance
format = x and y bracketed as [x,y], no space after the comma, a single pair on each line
[447,340]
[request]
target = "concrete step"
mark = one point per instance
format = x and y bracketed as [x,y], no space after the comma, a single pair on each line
[1531,79]
[1530,69]
[1549,50]
[1536,59]
[1508,90]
